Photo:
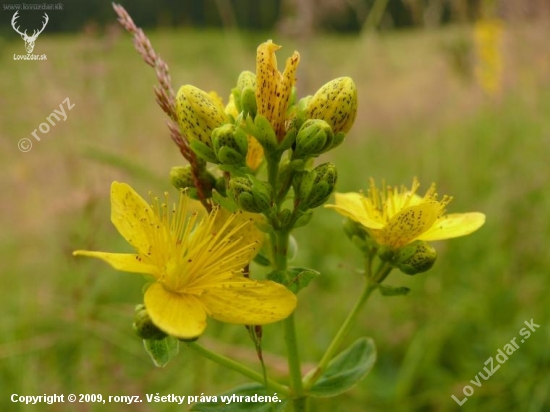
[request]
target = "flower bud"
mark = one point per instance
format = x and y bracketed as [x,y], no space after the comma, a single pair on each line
[335,103]
[230,144]
[273,88]
[246,93]
[251,194]
[416,257]
[181,177]
[265,135]
[317,185]
[144,326]
[198,114]
[312,138]
[248,102]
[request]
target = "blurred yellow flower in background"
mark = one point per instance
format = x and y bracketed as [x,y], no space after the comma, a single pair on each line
[196,260]
[396,216]
[488,36]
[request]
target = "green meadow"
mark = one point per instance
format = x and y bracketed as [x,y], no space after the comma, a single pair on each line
[66,324]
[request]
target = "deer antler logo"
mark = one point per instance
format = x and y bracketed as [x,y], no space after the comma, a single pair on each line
[29,40]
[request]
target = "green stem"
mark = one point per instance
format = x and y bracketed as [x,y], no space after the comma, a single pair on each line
[273,173]
[372,284]
[238,367]
[280,249]
[284,188]
[294,364]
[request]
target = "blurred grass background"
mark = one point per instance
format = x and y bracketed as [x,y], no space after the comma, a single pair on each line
[66,323]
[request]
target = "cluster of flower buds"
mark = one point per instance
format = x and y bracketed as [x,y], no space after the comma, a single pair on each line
[251,194]
[261,122]
[317,185]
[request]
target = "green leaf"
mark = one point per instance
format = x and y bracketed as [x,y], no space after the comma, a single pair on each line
[300,278]
[242,398]
[162,351]
[304,219]
[262,259]
[386,290]
[277,276]
[203,151]
[346,369]
[225,202]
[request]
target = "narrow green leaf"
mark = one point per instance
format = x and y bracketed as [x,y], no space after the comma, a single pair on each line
[162,351]
[243,398]
[262,259]
[386,290]
[304,219]
[346,369]
[300,278]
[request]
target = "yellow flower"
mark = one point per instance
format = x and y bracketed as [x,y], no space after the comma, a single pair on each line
[396,216]
[196,261]
[488,37]
[273,88]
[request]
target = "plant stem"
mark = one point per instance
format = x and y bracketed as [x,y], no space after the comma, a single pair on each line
[280,249]
[372,284]
[273,173]
[294,365]
[238,367]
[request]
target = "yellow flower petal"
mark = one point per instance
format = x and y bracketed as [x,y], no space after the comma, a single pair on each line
[408,224]
[248,302]
[179,315]
[284,88]
[351,205]
[267,78]
[132,216]
[255,154]
[273,88]
[454,225]
[242,231]
[121,261]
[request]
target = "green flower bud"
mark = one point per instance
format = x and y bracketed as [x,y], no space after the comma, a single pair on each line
[265,134]
[245,94]
[312,138]
[181,177]
[416,257]
[230,144]
[317,186]
[246,79]
[251,194]
[198,114]
[248,102]
[144,326]
[335,103]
